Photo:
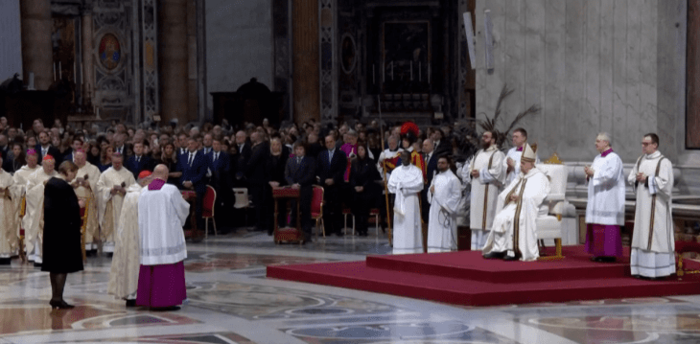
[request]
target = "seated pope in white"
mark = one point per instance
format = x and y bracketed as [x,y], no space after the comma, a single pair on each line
[514,234]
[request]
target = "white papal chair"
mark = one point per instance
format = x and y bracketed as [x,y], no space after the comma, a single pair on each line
[548,222]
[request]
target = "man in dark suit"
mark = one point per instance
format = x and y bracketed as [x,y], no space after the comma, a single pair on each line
[244,151]
[330,170]
[194,169]
[299,173]
[441,145]
[119,144]
[44,147]
[255,174]
[139,162]
[77,144]
[220,166]
[430,162]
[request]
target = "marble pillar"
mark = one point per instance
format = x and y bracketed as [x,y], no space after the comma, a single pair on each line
[692,131]
[305,60]
[173,61]
[192,61]
[37,53]
[88,78]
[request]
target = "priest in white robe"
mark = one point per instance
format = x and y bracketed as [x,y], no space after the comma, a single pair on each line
[653,246]
[444,195]
[111,188]
[124,271]
[33,221]
[514,233]
[406,182]
[605,211]
[512,160]
[85,184]
[162,213]
[8,219]
[18,192]
[487,175]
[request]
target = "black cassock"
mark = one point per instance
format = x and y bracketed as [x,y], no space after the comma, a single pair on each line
[62,251]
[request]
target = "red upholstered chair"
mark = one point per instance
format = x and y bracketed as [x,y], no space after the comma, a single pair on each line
[208,209]
[317,208]
[683,247]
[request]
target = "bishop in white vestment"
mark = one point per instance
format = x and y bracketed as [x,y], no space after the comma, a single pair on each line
[8,219]
[124,271]
[512,160]
[514,233]
[33,221]
[111,189]
[444,195]
[85,190]
[162,213]
[605,211]
[487,175]
[18,190]
[406,182]
[653,246]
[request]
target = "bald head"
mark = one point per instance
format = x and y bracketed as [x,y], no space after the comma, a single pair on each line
[161,172]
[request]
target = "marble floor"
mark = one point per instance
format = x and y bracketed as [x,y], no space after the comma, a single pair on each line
[231,301]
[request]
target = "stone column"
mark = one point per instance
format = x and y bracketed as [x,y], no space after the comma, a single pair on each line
[88,75]
[692,138]
[305,60]
[192,61]
[172,59]
[37,51]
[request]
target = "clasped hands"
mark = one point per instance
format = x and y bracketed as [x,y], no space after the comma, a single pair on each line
[589,171]
[475,173]
[118,189]
[641,177]
[514,197]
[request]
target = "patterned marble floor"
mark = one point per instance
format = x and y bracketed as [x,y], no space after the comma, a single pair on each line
[231,301]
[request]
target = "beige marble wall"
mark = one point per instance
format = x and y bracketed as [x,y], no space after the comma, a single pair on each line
[36,42]
[592,66]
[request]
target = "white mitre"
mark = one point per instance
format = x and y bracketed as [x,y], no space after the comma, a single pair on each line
[529,153]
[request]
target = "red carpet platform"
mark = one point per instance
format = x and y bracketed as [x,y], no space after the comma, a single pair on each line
[465,278]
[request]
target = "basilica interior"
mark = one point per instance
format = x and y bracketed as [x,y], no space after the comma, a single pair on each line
[565,70]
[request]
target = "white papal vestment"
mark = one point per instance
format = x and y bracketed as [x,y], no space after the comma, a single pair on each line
[514,226]
[88,195]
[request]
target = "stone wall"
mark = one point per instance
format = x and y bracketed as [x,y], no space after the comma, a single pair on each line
[239,44]
[11,42]
[591,65]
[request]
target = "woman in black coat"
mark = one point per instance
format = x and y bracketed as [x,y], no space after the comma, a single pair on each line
[62,238]
[363,179]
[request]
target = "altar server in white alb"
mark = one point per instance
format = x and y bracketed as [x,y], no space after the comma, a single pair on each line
[653,245]
[444,195]
[514,233]
[33,221]
[487,175]
[605,211]
[406,182]
[512,161]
